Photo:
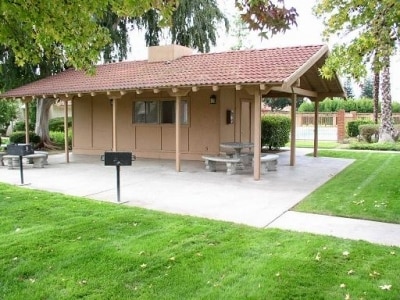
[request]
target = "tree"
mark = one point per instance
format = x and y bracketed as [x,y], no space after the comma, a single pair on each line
[367,88]
[377,80]
[348,87]
[51,36]
[373,29]
[241,33]
[8,112]
[67,29]
[193,24]
[73,32]
[277,104]
[266,16]
[117,49]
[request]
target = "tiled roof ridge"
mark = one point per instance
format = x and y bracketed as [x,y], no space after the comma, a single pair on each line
[265,49]
[222,52]
[274,65]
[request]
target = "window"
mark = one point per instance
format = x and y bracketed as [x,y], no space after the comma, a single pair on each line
[168,112]
[146,112]
[159,112]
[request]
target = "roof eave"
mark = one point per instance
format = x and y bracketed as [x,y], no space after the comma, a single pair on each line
[292,79]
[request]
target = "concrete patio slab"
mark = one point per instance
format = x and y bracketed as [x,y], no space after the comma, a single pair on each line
[154,184]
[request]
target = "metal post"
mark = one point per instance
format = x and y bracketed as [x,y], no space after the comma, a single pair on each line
[21,170]
[118,183]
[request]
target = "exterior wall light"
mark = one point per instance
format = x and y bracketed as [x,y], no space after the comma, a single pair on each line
[213,99]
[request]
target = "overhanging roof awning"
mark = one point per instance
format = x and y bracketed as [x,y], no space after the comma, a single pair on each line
[287,70]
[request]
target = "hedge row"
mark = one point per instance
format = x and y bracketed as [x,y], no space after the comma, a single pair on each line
[363,105]
[275,131]
[56,124]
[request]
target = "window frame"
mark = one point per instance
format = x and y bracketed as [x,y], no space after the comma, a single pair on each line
[185,111]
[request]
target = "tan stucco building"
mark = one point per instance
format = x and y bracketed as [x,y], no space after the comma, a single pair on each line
[179,105]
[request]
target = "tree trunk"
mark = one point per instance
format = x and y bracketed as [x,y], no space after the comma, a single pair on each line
[376,96]
[42,122]
[386,131]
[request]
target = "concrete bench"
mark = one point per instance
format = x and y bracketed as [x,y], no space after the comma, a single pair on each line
[1,158]
[38,160]
[211,163]
[46,156]
[268,162]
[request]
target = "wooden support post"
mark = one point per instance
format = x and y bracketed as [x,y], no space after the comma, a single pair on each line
[257,134]
[114,124]
[27,122]
[66,130]
[316,109]
[293,130]
[178,133]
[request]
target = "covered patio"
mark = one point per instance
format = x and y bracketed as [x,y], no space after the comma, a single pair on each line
[176,104]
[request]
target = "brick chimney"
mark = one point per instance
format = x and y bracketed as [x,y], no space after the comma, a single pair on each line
[167,52]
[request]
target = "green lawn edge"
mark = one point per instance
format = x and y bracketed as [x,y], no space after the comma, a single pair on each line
[366,189]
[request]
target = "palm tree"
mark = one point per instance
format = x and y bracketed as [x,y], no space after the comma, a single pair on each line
[386,131]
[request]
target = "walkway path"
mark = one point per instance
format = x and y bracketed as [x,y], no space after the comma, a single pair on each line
[374,232]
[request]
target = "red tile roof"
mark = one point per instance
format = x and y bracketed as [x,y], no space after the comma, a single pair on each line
[269,66]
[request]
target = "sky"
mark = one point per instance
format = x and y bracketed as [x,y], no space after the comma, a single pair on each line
[308,32]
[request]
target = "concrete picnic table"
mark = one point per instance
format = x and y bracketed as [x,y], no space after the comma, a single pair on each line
[237,146]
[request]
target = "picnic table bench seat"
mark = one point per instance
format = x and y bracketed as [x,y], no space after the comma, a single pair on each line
[269,162]
[38,160]
[211,163]
[45,158]
[2,158]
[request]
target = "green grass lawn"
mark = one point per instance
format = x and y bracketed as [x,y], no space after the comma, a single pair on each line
[367,189]
[62,247]
[310,144]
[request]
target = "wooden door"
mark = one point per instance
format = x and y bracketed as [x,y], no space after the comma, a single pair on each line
[245,121]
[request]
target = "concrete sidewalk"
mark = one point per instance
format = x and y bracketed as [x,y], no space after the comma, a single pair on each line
[154,184]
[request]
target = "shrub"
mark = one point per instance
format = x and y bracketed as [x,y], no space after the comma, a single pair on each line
[20,126]
[352,127]
[375,146]
[367,131]
[395,107]
[275,131]
[306,107]
[19,137]
[57,124]
[57,137]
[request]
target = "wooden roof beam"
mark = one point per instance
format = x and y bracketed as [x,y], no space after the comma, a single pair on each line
[295,90]
[174,92]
